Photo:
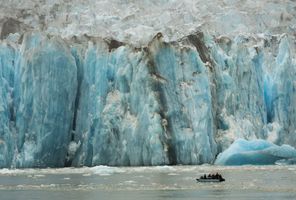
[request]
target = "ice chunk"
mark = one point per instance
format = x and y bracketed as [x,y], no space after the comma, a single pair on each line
[105,170]
[72,148]
[243,152]
[291,161]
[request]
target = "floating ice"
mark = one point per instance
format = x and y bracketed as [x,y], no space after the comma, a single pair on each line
[256,152]
[291,161]
[105,170]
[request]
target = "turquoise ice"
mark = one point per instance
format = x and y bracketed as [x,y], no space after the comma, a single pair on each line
[256,152]
[90,101]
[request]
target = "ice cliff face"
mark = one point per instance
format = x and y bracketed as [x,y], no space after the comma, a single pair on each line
[91,82]
[38,89]
[91,101]
[146,106]
[7,142]
[44,96]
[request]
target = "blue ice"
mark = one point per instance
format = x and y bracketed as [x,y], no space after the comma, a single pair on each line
[255,152]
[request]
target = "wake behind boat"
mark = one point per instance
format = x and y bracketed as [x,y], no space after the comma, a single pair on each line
[211,178]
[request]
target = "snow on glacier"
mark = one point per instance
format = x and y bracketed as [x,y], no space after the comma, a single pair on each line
[257,152]
[137,22]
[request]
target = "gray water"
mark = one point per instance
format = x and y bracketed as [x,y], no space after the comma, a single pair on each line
[141,183]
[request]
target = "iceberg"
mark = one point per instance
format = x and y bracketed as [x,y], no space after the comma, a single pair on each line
[255,152]
[290,161]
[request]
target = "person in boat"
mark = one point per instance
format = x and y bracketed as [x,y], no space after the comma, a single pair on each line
[217,175]
[214,176]
[211,176]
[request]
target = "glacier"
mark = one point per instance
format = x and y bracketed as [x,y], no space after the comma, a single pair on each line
[136,22]
[94,101]
[127,83]
[144,105]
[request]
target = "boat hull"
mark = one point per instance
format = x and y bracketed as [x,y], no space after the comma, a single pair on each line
[210,180]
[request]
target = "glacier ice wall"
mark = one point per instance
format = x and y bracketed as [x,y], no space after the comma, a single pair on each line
[92,101]
[141,107]
[44,94]
[282,95]
[117,118]
[238,75]
[7,59]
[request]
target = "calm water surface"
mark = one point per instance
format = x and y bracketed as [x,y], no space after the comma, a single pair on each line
[143,183]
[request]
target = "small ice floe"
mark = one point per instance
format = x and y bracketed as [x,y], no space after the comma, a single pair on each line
[105,170]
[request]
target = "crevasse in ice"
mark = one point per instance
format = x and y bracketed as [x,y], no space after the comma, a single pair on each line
[91,101]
